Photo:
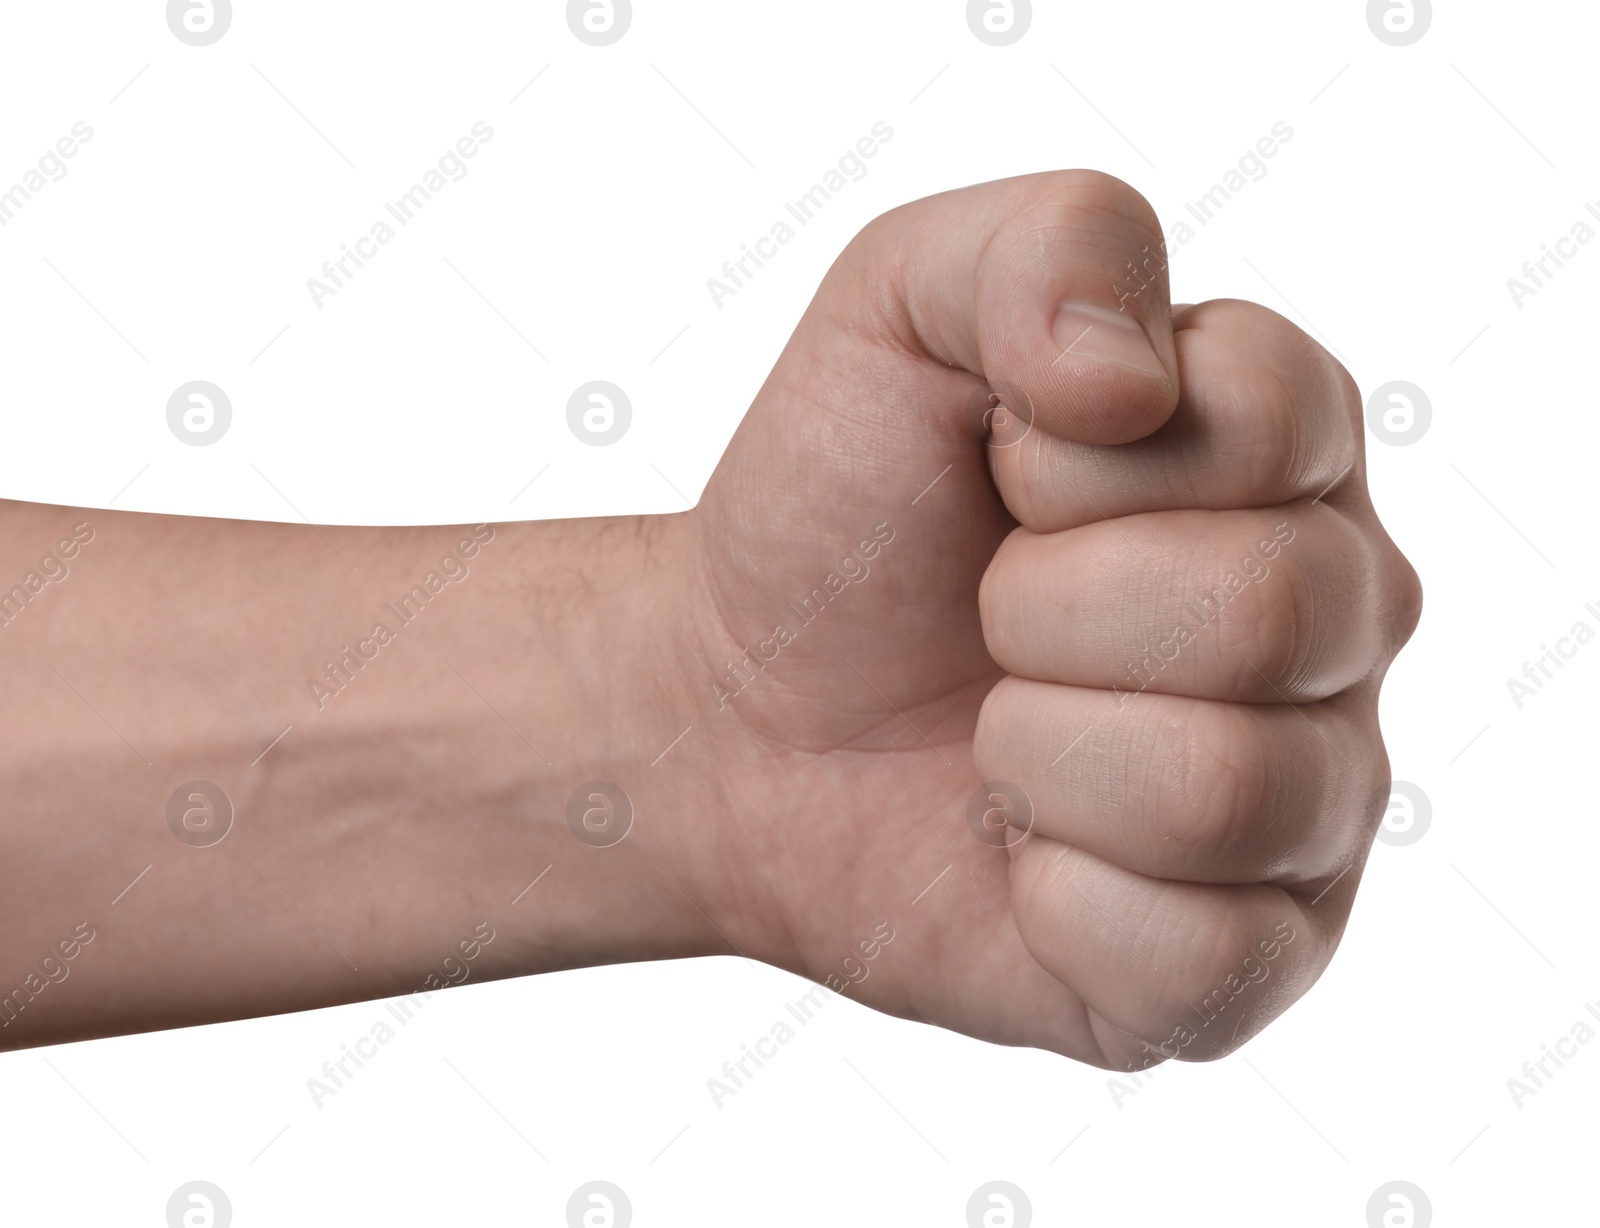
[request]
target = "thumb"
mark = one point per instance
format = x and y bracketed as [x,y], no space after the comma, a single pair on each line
[1054,289]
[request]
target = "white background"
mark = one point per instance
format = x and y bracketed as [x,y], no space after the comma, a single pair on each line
[1418,180]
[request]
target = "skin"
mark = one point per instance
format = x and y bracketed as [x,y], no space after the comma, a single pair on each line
[1007,566]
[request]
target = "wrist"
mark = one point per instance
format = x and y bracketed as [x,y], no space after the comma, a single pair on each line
[630,785]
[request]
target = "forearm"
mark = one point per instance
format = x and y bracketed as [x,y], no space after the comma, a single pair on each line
[398,729]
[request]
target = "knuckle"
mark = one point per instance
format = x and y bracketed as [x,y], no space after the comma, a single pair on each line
[1404,589]
[1231,986]
[1373,808]
[1265,417]
[1339,391]
[872,237]
[1081,189]
[1219,783]
[1212,997]
[1296,437]
[1291,412]
[1090,209]
[1276,631]
[1347,394]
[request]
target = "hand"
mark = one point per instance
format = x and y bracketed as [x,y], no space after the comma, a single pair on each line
[1001,514]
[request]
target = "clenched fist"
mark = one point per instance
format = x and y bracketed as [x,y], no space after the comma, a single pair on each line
[1018,672]
[1111,686]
